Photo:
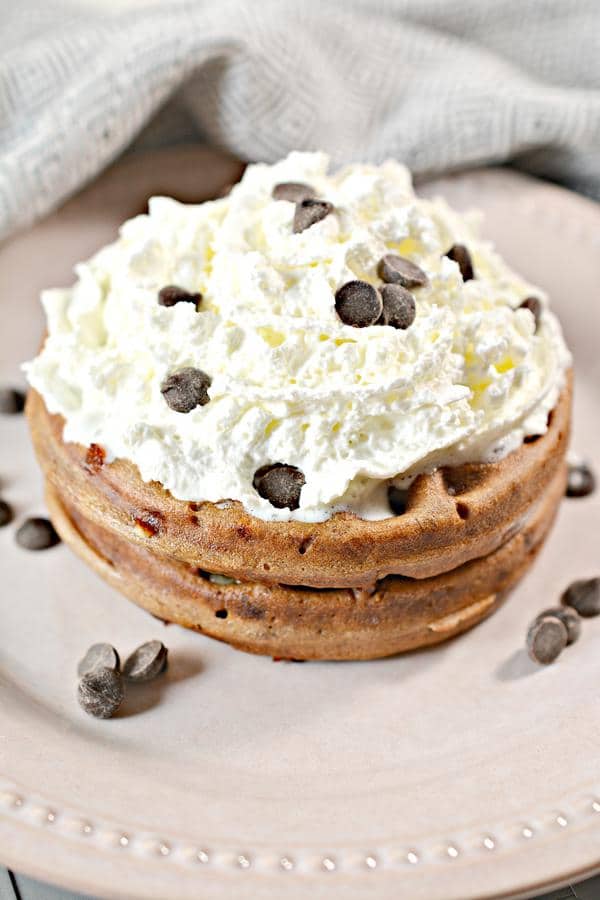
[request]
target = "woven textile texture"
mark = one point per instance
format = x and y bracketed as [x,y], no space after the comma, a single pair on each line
[438,84]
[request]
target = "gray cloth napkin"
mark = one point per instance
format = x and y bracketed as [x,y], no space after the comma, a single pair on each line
[438,84]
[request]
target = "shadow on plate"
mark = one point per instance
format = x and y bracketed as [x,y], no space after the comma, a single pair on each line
[518,665]
[143,696]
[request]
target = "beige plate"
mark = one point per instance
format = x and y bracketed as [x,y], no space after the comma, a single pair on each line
[455,773]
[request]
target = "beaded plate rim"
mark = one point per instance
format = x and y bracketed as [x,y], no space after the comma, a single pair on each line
[35,811]
[575,814]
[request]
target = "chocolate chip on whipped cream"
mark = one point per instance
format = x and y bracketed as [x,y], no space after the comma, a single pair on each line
[462,257]
[171,294]
[399,307]
[394,269]
[186,389]
[293,191]
[224,191]
[309,212]
[358,304]
[535,308]
[280,484]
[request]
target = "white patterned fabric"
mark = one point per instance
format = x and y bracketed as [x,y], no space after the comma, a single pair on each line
[437,84]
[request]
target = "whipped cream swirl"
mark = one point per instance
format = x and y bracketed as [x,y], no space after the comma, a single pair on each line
[352,408]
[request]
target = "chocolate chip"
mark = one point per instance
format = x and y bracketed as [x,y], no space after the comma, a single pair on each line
[535,308]
[308,212]
[293,191]
[461,256]
[280,484]
[581,481]
[186,389]
[394,269]
[99,656]
[172,294]
[11,401]
[568,616]
[145,663]
[37,534]
[6,513]
[224,191]
[399,307]
[100,693]
[398,499]
[584,596]
[546,639]
[358,303]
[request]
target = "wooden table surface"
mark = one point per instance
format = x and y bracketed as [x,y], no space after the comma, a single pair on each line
[18,887]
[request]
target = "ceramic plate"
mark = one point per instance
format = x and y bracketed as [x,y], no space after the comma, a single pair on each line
[455,773]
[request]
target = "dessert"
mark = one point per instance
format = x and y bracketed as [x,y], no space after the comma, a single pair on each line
[316,418]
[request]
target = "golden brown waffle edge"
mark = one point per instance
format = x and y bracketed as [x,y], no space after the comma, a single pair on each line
[453,515]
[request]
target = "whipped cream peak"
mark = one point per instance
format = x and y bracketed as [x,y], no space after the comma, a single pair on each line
[352,409]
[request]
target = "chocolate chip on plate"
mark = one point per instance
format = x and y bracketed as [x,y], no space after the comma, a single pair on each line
[12,401]
[399,307]
[546,639]
[145,663]
[584,596]
[308,212]
[186,389]
[99,656]
[293,191]
[581,481]
[37,534]
[6,513]
[280,484]
[100,692]
[398,499]
[172,294]
[568,616]
[394,269]
[461,256]
[535,308]
[358,304]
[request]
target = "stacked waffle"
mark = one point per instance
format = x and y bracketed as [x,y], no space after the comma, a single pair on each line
[343,437]
[345,588]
